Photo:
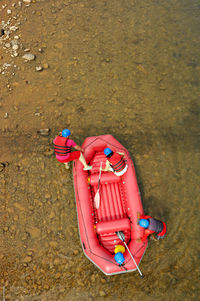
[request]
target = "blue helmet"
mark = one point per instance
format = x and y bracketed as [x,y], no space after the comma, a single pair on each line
[107,151]
[119,258]
[66,133]
[144,223]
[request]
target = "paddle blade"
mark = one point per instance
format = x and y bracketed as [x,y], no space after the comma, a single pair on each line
[121,235]
[97,200]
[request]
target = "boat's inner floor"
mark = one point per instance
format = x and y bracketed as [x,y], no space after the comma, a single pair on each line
[112,212]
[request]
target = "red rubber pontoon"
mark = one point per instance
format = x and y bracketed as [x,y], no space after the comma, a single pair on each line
[119,203]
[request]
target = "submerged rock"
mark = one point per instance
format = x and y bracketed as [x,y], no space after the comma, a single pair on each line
[44,132]
[48,152]
[27,259]
[3,165]
[38,68]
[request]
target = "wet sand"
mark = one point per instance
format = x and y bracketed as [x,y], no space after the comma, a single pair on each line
[126,68]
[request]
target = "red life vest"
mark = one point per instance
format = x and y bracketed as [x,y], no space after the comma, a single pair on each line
[60,147]
[117,162]
[155,226]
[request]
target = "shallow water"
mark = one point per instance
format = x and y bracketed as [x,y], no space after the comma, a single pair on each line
[127,68]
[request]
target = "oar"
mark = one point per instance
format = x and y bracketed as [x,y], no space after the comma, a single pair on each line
[97,195]
[121,236]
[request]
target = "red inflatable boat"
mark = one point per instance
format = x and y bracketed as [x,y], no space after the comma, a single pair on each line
[119,203]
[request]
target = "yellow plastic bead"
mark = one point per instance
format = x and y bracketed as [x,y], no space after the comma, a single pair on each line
[119,248]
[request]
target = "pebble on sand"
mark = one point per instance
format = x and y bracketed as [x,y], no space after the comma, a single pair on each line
[28,56]
[15,47]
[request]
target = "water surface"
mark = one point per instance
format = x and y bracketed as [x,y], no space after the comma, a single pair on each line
[126,68]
